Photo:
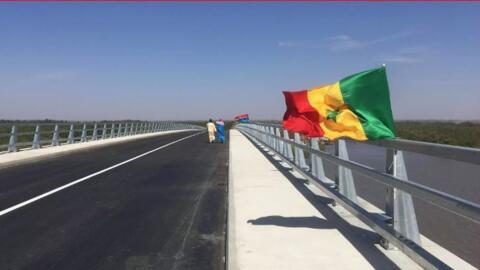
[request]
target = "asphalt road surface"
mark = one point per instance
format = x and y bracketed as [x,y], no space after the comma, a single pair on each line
[163,210]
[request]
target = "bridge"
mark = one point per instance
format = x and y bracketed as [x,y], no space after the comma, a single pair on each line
[156,195]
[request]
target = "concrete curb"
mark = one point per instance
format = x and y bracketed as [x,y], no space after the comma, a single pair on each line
[230,260]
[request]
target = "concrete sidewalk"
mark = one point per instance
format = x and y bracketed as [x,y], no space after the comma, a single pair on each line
[276,221]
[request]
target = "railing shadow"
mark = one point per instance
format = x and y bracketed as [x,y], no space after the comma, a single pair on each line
[293,222]
[363,240]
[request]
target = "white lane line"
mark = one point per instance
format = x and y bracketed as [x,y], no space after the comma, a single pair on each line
[34,199]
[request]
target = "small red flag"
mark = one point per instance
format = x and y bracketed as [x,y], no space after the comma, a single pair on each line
[241,116]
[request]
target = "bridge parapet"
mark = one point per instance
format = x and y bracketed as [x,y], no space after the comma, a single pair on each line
[35,135]
[398,227]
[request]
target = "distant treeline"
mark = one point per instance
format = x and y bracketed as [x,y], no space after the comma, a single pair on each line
[453,133]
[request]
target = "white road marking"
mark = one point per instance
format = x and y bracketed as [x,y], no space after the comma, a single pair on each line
[34,199]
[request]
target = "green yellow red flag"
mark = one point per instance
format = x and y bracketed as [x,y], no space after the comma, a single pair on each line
[357,107]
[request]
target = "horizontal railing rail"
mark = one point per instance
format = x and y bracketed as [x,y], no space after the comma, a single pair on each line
[21,135]
[402,231]
[458,153]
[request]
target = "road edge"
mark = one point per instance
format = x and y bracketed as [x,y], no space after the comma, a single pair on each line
[231,263]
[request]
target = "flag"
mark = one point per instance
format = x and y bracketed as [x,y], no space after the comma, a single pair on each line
[242,118]
[357,107]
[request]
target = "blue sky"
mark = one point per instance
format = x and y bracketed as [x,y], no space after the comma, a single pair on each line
[193,61]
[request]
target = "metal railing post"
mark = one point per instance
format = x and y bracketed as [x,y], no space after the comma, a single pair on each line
[95,131]
[83,138]
[389,192]
[346,185]
[288,147]
[389,195]
[131,129]
[317,164]
[269,139]
[55,136]
[299,154]
[280,142]
[36,138]
[12,144]
[265,137]
[261,138]
[274,140]
[119,130]
[404,218]
[71,134]
[136,128]
[104,131]
[112,131]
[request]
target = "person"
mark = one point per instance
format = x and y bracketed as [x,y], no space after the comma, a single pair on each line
[220,126]
[211,130]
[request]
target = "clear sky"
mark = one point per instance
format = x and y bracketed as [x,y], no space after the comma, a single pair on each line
[198,60]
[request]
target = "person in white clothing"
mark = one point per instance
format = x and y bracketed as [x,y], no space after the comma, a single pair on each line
[211,131]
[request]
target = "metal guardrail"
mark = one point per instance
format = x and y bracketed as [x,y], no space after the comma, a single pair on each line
[69,133]
[400,225]
[458,153]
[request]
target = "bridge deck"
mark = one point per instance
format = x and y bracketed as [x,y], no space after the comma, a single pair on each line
[278,222]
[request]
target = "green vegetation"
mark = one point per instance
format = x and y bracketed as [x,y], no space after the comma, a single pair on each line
[453,133]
